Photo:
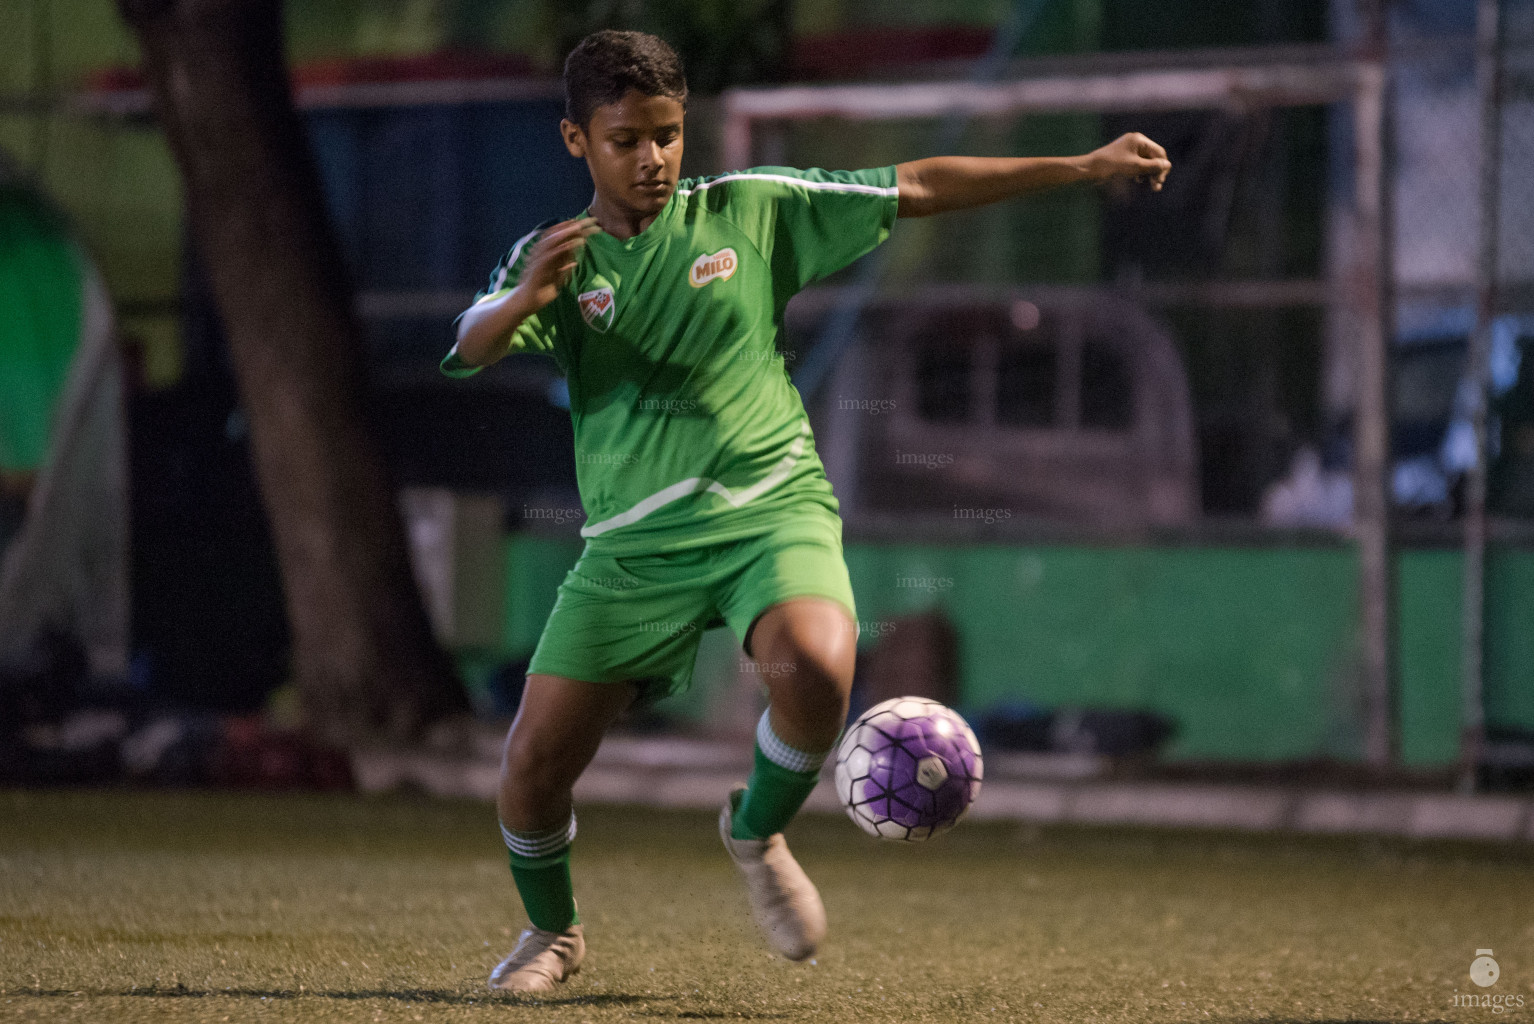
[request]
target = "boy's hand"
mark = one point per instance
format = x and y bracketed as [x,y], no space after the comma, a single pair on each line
[1130,156]
[552,260]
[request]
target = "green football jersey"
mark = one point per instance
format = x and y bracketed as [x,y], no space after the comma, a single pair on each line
[688,430]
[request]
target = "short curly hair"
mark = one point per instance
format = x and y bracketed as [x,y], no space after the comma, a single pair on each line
[607,64]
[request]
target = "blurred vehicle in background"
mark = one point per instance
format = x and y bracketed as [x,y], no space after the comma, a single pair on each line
[1068,404]
[1433,437]
[1433,434]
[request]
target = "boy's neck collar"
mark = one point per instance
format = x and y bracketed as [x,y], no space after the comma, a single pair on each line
[638,237]
[625,224]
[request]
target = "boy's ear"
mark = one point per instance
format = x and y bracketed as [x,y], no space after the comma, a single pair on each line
[575,138]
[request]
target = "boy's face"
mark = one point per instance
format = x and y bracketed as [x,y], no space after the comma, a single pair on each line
[634,150]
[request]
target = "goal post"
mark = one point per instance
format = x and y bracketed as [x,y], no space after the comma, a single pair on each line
[1357,286]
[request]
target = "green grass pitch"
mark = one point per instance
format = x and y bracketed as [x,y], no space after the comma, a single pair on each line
[123,906]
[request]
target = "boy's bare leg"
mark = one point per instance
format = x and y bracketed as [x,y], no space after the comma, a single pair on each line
[804,648]
[808,646]
[557,731]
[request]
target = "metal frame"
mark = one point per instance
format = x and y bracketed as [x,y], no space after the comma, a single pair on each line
[133,103]
[1488,61]
[1363,286]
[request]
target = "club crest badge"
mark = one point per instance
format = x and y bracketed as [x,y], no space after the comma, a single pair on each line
[597,308]
[719,266]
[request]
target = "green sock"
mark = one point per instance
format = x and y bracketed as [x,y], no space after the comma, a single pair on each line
[775,792]
[543,881]
[772,798]
[544,885]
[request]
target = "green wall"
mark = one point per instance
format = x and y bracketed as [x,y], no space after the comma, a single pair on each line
[40,279]
[1251,649]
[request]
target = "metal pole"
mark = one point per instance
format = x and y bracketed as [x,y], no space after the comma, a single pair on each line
[837,334]
[1488,80]
[1371,432]
[42,87]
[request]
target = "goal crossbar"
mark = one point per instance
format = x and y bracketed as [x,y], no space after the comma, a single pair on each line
[1287,84]
[1361,285]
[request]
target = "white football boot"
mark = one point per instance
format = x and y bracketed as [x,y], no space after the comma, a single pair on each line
[542,961]
[783,900]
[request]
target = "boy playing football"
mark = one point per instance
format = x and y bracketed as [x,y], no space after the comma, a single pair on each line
[706,502]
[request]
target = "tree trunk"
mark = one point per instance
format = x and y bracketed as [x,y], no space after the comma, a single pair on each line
[364,657]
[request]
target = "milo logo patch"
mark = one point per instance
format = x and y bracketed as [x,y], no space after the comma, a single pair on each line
[719,266]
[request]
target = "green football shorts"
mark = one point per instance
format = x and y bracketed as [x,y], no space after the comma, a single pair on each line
[638,618]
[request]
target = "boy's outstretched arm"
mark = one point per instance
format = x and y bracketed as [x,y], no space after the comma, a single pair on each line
[941,183]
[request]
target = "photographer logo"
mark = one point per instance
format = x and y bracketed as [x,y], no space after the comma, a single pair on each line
[1485,972]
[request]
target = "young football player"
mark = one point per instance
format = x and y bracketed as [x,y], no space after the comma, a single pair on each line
[706,502]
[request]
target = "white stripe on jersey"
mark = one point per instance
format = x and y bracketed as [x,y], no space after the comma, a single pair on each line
[892,191]
[693,484]
[511,261]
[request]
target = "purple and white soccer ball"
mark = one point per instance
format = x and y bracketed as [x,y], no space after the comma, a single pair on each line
[908,769]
